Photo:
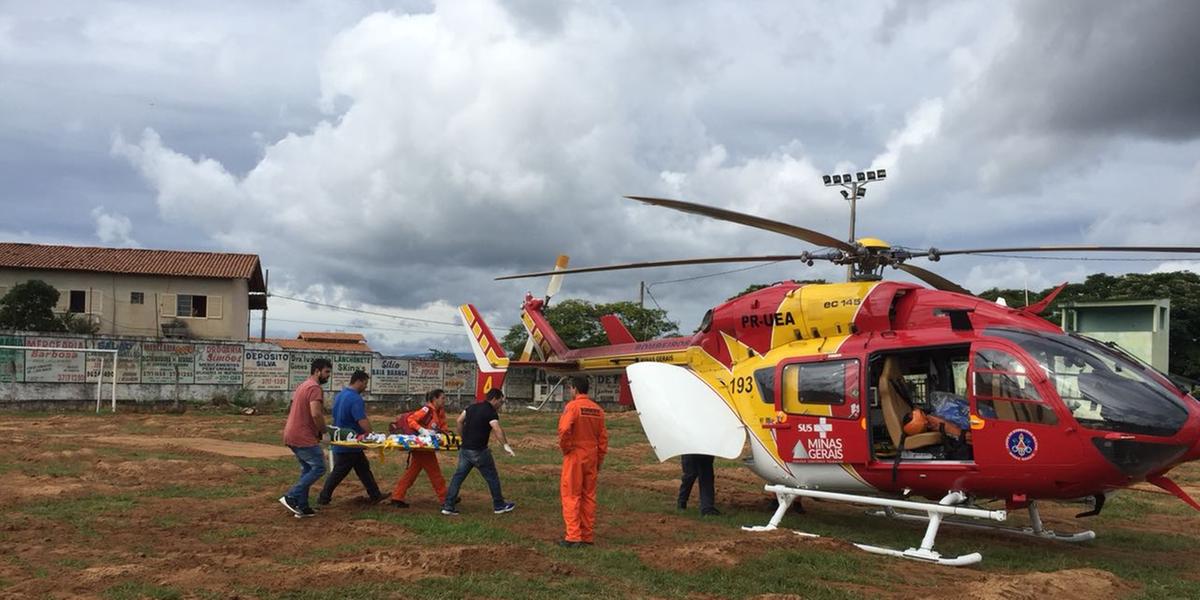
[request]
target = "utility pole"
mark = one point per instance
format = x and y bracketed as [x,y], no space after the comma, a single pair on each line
[857,188]
[267,294]
[642,295]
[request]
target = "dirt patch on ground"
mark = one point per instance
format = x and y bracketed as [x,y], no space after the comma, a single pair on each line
[21,487]
[93,575]
[695,556]
[157,470]
[1071,583]
[222,447]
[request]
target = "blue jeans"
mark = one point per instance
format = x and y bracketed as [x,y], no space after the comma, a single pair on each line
[312,467]
[475,459]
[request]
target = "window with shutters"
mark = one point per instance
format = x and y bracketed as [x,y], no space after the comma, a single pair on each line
[191,306]
[77,302]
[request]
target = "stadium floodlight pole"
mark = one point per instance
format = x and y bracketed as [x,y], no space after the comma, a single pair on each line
[855,188]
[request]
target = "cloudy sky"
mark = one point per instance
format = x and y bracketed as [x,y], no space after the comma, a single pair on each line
[395,156]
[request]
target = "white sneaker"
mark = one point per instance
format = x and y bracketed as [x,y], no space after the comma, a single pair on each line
[287,503]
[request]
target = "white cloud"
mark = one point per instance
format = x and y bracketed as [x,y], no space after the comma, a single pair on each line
[114,229]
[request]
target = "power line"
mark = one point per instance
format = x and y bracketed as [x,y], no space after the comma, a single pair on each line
[365,312]
[652,298]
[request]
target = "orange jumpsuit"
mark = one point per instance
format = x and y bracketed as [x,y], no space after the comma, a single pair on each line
[428,417]
[583,439]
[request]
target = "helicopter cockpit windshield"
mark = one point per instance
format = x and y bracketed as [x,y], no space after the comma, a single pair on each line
[1103,388]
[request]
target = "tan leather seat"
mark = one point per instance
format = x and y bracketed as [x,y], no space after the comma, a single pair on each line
[894,408]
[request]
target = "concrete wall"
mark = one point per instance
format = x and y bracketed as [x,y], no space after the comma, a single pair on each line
[155,371]
[158,374]
[108,301]
[1143,328]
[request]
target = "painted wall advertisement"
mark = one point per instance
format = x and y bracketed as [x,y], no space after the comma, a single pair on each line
[219,363]
[459,378]
[424,375]
[301,363]
[389,376]
[56,364]
[519,383]
[344,365]
[605,388]
[168,363]
[12,362]
[129,361]
[265,369]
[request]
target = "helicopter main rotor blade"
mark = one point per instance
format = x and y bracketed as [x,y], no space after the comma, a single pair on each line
[1169,249]
[808,235]
[933,279]
[669,263]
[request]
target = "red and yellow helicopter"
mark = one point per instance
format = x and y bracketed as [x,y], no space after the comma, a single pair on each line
[879,392]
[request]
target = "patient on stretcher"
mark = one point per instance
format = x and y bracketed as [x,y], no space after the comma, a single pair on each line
[394,441]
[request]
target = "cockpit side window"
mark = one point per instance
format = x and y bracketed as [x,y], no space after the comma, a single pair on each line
[1004,391]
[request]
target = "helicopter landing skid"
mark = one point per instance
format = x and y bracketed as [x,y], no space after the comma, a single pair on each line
[925,553]
[1036,530]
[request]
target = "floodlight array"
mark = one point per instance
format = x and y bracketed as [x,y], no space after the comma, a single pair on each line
[858,177]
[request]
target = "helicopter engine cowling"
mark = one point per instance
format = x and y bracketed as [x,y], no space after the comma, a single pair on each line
[786,312]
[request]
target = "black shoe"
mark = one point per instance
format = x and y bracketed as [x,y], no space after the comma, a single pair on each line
[291,505]
[306,512]
[506,507]
[569,544]
[449,511]
[680,507]
[711,512]
[322,502]
[399,504]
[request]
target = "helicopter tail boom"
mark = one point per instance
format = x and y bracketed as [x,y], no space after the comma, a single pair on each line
[489,354]
[545,340]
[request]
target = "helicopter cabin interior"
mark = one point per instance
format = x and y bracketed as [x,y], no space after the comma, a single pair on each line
[917,400]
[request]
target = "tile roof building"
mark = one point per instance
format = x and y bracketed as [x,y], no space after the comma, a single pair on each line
[330,341]
[135,291]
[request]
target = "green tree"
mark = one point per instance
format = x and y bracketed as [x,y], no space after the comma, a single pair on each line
[444,355]
[74,323]
[29,306]
[577,322]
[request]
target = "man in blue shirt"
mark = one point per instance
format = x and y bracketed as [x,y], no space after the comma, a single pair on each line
[350,412]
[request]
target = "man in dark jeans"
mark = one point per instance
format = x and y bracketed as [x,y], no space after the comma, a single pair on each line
[350,412]
[302,433]
[476,425]
[698,466]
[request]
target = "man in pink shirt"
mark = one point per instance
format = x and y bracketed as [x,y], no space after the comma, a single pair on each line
[302,433]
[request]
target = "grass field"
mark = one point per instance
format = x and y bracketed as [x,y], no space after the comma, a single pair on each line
[184,506]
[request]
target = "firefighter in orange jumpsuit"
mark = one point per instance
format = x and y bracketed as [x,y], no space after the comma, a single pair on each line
[583,439]
[431,417]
